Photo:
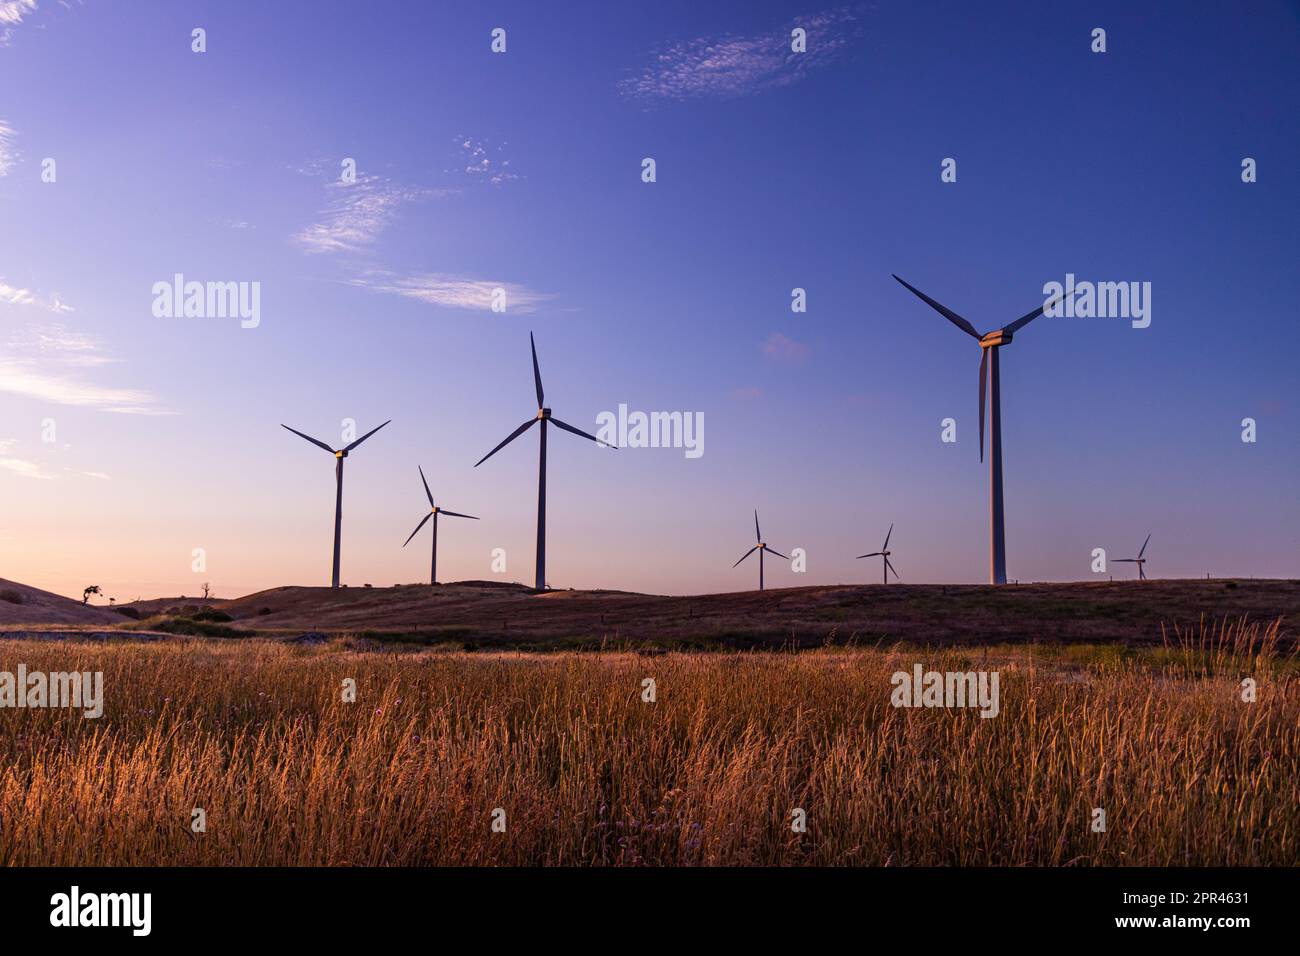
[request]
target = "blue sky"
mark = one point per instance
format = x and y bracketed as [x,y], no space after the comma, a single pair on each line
[773,172]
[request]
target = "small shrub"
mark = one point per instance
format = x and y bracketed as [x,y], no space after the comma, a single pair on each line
[211,614]
[12,596]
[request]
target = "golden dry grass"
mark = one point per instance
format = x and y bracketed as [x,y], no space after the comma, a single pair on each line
[255,733]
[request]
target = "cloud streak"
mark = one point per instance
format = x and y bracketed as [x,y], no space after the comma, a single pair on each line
[453,292]
[357,213]
[733,66]
[44,364]
[12,295]
[11,14]
[8,154]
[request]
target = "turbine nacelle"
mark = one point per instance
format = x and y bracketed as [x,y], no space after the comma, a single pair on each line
[993,339]
[543,414]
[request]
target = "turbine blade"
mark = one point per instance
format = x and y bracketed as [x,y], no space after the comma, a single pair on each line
[1123,560]
[427,492]
[758,535]
[364,437]
[509,438]
[886,544]
[578,431]
[889,564]
[873,554]
[943,310]
[745,555]
[321,444]
[455,514]
[417,529]
[537,374]
[1142,573]
[777,553]
[984,369]
[1024,320]
[1144,546]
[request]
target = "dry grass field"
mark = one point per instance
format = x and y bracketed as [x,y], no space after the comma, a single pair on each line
[254,731]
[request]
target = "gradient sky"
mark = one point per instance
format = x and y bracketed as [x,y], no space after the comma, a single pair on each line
[820,172]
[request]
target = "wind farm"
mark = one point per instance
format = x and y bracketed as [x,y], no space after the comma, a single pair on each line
[752,216]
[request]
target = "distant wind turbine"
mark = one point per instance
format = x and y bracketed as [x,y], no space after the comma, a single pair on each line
[339,455]
[883,554]
[433,513]
[761,548]
[544,416]
[1139,560]
[990,342]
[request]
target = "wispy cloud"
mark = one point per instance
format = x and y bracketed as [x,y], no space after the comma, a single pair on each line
[357,213]
[733,66]
[484,162]
[26,468]
[453,292]
[784,349]
[46,364]
[12,295]
[23,468]
[8,153]
[11,14]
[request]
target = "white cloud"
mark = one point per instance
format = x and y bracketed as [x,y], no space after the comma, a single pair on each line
[11,14]
[357,213]
[484,162]
[13,11]
[24,468]
[12,295]
[8,154]
[43,364]
[732,66]
[453,292]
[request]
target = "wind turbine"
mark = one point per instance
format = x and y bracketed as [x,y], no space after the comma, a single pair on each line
[990,343]
[544,416]
[339,455]
[761,548]
[883,554]
[433,513]
[1139,560]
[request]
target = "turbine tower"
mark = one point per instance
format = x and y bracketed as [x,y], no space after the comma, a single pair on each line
[1139,560]
[339,455]
[544,416]
[761,548]
[433,513]
[990,381]
[883,554]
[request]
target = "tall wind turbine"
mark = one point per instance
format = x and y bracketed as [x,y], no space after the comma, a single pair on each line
[761,548]
[544,416]
[1139,560]
[990,343]
[433,513]
[339,455]
[883,554]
